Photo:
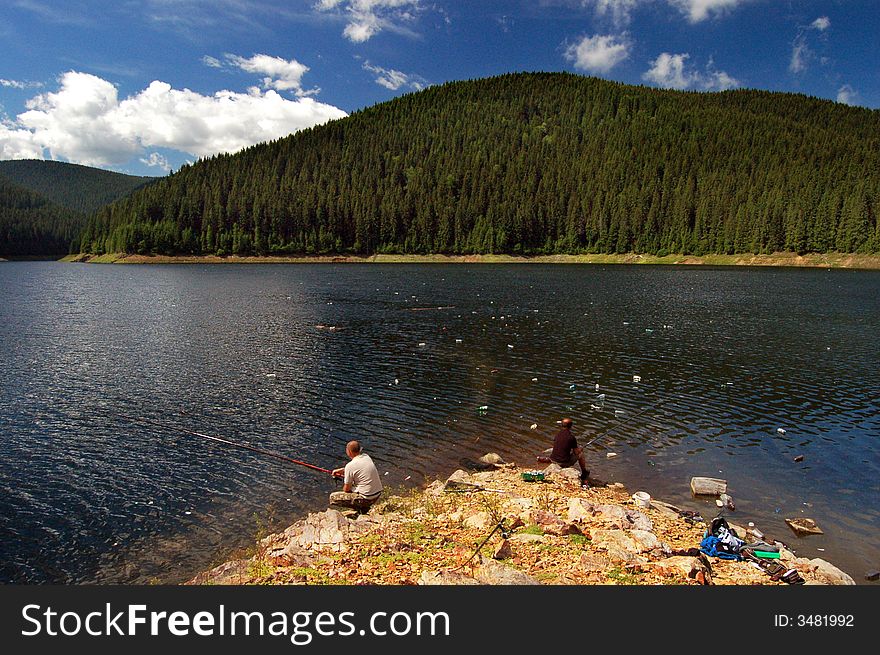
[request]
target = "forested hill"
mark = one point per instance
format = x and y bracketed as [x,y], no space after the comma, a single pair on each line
[31,225]
[80,188]
[530,163]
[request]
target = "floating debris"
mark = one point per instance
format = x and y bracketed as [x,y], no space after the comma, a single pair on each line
[534,426]
[270,375]
[458,341]
[421,344]
[534,379]
[572,387]
[799,458]
[597,386]
[510,346]
[482,409]
[610,455]
[780,430]
[637,378]
[396,381]
[648,330]
[601,396]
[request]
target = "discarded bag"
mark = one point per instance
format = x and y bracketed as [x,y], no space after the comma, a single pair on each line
[720,540]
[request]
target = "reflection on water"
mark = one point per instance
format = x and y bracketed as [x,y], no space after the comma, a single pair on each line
[739,371]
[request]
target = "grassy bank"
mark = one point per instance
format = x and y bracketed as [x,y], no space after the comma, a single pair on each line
[828,260]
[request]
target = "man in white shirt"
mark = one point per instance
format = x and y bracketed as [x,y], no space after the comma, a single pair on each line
[361,485]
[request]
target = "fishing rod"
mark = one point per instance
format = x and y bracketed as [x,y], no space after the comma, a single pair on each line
[228,442]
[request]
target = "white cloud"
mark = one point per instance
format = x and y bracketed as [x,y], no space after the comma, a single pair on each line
[366,18]
[847,95]
[394,79]
[156,160]
[672,72]
[281,74]
[597,53]
[84,121]
[212,62]
[619,11]
[800,54]
[16,84]
[669,72]
[822,23]
[698,10]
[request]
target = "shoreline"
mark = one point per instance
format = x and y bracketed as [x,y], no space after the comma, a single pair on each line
[552,532]
[780,259]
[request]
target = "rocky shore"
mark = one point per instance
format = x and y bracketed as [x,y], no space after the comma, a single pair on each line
[494,527]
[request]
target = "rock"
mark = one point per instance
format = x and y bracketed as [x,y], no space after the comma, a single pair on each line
[708,486]
[645,540]
[639,521]
[522,504]
[682,565]
[590,562]
[614,541]
[544,518]
[552,468]
[327,530]
[667,510]
[727,502]
[503,551]
[872,575]
[236,572]
[579,509]
[570,474]
[524,538]
[460,481]
[435,488]
[495,573]
[433,578]
[614,514]
[799,458]
[740,531]
[830,573]
[478,521]
[290,555]
[804,526]
[492,458]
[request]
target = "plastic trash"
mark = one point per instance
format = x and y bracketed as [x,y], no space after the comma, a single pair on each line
[421,344]
[534,426]
[601,396]
[597,386]
[458,341]
[270,375]
[780,430]
[572,387]
[648,330]
[483,408]
[509,346]
[534,379]
[610,455]
[637,378]
[396,381]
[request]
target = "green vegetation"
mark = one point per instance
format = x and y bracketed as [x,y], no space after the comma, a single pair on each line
[43,204]
[528,164]
[31,225]
[82,189]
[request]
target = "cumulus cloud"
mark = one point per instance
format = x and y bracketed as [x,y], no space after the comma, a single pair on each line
[281,74]
[598,53]
[822,23]
[672,72]
[156,160]
[847,95]
[699,10]
[84,121]
[394,79]
[366,18]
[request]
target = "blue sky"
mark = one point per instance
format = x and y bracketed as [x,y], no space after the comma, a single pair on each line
[142,86]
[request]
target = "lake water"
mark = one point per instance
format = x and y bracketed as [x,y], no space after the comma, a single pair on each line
[729,358]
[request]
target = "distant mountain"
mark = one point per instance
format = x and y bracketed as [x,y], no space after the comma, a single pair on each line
[30,225]
[531,163]
[81,188]
[44,204]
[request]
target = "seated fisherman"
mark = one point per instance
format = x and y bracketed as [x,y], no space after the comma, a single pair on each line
[566,451]
[361,486]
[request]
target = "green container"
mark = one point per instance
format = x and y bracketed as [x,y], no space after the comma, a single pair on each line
[533,476]
[766,554]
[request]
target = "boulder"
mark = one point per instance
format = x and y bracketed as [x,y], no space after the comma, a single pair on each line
[579,509]
[830,573]
[492,458]
[435,488]
[503,551]
[872,575]
[803,527]
[495,573]
[708,486]
[435,578]
[325,530]
[614,541]
[545,518]
[236,572]
[524,538]
[667,510]
[478,521]
[460,481]
[552,469]
[639,521]
[290,554]
[570,474]
[645,540]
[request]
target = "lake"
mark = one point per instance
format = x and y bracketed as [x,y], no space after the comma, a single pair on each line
[740,370]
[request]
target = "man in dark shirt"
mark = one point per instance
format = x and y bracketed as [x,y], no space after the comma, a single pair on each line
[566,451]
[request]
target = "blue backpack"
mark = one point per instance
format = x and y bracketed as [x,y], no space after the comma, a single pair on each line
[722,542]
